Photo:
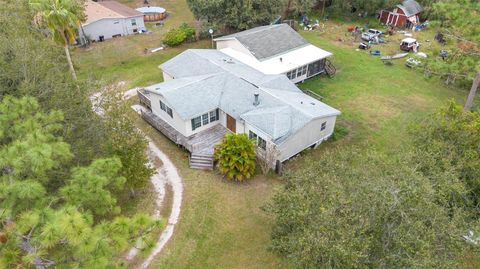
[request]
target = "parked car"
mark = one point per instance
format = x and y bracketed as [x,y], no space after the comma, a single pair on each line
[371,34]
[409,44]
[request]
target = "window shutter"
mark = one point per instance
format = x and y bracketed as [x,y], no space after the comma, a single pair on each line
[217,112]
[193,125]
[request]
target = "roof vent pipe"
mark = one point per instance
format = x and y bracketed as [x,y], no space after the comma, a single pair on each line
[256,102]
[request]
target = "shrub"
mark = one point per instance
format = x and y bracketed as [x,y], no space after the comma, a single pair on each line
[177,36]
[174,37]
[188,31]
[236,157]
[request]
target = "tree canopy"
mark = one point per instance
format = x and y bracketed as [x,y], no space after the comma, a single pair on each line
[351,210]
[415,209]
[235,15]
[458,20]
[448,143]
[62,18]
[42,226]
[63,169]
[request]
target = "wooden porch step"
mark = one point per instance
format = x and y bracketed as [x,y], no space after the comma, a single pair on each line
[201,161]
[330,68]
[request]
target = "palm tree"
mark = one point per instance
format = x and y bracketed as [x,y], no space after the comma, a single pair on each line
[62,18]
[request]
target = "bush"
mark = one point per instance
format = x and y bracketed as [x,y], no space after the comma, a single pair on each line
[174,37]
[189,32]
[177,36]
[236,157]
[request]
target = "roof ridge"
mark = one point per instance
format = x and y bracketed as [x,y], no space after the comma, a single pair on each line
[251,31]
[200,78]
[288,104]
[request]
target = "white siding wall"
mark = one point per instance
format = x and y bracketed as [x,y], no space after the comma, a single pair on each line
[233,44]
[108,28]
[306,137]
[176,122]
[188,126]
[223,118]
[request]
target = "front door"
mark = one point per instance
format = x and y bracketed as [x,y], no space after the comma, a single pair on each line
[231,124]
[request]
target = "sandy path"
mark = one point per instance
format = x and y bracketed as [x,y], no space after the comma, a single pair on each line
[166,174]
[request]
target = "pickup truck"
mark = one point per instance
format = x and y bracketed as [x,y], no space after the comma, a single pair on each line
[371,34]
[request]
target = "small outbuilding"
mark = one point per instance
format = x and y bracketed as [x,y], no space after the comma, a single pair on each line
[404,15]
[151,14]
[109,19]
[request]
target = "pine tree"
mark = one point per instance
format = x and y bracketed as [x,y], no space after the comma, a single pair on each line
[43,227]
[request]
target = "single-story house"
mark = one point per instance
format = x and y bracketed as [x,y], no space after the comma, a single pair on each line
[108,19]
[404,15]
[207,93]
[275,49]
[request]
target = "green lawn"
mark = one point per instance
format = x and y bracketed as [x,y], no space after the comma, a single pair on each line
[123,59]
[377,101]
[221,224]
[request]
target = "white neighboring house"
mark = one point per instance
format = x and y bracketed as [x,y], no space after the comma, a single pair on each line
[205,90]
[108,19]
[275,49]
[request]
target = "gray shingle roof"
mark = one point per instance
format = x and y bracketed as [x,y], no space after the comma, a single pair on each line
[209,79]
[267,41]
[193,89]
[411,7]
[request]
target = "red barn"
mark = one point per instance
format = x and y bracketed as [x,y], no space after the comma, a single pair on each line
[405,14]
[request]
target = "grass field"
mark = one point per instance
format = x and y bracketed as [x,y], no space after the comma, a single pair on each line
[123,59]
[221,224]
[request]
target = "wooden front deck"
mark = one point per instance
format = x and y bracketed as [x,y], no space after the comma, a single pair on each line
[202,143]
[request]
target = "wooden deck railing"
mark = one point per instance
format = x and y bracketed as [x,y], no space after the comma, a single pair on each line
[313,94]
[144,100]
[161,126]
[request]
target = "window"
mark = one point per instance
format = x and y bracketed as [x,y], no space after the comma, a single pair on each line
[292,74]
[299,72]
[304,70]
[196,123]
[262,143]
[289,75]
[205,119]
[134,22]
[165,108]
[213,115]
[252,135]
[116,22]
[324,126]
